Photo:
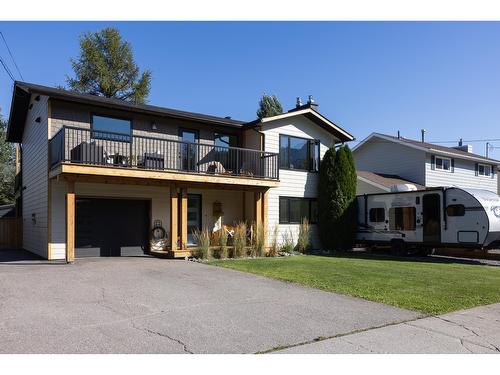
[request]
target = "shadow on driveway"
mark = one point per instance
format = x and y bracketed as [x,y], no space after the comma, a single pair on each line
[23,257]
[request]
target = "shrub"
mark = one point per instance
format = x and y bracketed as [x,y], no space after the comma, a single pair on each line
[257,240]
[273,251]
[304,238]
[223,243]
[287,242]
[202,238]
[240,241]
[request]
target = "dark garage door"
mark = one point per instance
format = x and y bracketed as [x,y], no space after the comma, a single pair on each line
[111,227]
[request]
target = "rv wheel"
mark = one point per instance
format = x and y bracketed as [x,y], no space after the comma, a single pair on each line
[398,248]
[425,251]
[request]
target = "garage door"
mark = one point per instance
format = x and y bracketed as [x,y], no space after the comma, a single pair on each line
[111,227]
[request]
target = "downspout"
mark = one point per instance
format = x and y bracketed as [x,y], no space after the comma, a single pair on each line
[445,216]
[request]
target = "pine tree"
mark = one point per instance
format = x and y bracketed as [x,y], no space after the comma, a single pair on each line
[269,106]
[326,213]
[344,199]
[106,67]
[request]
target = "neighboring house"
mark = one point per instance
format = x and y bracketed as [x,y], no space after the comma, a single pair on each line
[99,175]
[420,163]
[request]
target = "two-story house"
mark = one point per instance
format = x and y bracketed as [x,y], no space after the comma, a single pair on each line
[384,160]
[100,176]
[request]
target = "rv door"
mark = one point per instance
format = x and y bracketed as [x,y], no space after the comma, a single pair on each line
[431,207]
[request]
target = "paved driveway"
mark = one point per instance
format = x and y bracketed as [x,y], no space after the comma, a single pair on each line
[149,305]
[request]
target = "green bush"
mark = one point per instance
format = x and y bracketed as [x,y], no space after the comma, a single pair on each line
[223,243]
[287,242]
[304,238]
[202,238]
[240,241]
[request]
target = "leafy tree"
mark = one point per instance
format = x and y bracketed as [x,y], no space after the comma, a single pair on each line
[269,106]
[337,198]
[7,166]
[327,212]
[106,67]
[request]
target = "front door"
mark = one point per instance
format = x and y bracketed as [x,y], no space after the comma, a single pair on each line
[189,150]
[193,217]
[432,218]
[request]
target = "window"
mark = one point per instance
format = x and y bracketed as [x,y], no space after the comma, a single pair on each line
[455,210]
[402,218]
[293,210]
[377,215]
[443,164]
[116,129]
[225,140]
[299,153]
[484,170]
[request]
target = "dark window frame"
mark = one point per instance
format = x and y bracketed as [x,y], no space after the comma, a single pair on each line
[126,137]
[376,217]
[450,210]
[288,199]
[313,164]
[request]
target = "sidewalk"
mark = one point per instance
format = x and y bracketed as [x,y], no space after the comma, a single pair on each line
[476,330]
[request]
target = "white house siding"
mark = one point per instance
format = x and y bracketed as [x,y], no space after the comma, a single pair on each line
[463,176]
[35,180]
[381,156]
[293,183]
[160,206]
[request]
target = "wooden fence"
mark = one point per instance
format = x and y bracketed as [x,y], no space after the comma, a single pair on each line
[11,233]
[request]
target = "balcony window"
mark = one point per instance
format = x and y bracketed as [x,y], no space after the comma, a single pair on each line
[299,153]
[111,128]
[225,140]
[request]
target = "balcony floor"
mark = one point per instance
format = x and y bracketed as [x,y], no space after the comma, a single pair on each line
[80,171]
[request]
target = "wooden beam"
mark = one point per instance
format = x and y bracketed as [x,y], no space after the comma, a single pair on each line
[183,215]
[70,222]
[173,176]
[264,216]
[258,208]
[174,217]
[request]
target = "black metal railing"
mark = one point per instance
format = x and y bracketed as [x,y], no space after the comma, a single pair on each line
[85,146]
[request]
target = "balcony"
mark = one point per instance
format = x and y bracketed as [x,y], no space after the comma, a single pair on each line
[73,146]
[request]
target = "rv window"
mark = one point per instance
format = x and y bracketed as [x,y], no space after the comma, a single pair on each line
[455,210]
[377,215]
[402,218]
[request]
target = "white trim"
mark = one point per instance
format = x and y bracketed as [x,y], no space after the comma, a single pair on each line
[425,149]
[306,111]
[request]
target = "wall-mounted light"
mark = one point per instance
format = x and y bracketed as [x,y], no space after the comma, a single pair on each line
[153,126]
[38,119]
[37,98]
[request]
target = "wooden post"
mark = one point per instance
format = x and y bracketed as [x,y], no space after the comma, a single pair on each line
[174,217]
[264,216]
[70,222]
[258,208]
[184,226]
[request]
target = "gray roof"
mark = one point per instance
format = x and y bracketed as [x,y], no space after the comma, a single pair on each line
[432,146]
[386,180]
[23,90]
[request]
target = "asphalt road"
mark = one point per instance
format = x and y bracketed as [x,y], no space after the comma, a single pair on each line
[149,305]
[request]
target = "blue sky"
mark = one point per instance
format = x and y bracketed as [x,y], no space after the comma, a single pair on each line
[365,76]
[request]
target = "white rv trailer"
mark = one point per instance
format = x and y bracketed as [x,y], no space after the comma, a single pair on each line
[430,218]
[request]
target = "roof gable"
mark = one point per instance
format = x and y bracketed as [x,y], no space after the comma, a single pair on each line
[427,148]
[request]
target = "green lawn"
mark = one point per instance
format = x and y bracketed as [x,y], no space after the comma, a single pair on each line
[432,288]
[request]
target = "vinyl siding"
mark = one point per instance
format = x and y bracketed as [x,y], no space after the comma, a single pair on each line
[381,156]
[293,183]
[35,179]
[463,176]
